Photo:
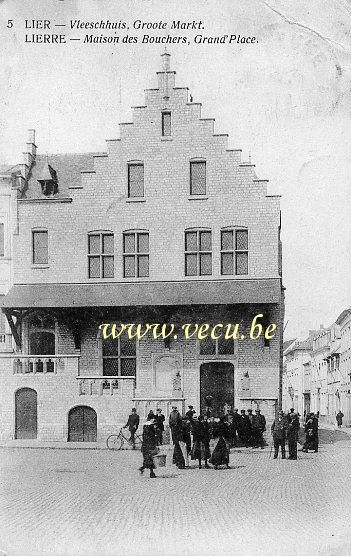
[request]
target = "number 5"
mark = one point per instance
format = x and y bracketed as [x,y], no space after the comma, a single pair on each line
[10,23]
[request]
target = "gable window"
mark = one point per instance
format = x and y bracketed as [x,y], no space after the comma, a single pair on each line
[198,253]
[135,180]
[166,124]
[234,252]
[40,254]
[209,346]
[101,255]
[119,356]
[198,177]
[135,254]
[2,239]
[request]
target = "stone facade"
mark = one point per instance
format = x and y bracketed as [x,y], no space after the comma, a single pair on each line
[317,372]
[89,194]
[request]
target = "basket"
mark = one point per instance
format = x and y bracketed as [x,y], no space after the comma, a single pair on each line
[160,460]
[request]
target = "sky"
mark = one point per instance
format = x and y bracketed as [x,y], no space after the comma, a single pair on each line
[284,100]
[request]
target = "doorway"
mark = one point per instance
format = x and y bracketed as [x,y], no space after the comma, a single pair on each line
[217,380]
[82,424]
[26,414]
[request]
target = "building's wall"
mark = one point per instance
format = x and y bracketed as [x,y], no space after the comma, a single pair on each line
[234,198]
[294,379]
[59,392]
[345,368]
[7,209]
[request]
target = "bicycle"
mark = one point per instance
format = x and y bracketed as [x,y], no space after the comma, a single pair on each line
[117,441]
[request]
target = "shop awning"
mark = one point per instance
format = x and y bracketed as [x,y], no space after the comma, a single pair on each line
[128,294]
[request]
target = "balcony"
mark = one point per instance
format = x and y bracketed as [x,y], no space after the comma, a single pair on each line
[40,364]
[98,385]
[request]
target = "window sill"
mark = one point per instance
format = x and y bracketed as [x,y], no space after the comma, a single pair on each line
[136,278]
[136,200]
[197,198]
[40,266]
[166,138]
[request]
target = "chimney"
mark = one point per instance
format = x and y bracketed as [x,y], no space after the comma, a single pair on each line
[166,59]
[31,146]
[166,77]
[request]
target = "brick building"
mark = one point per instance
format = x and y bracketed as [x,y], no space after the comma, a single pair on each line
[167,226]
[8,222]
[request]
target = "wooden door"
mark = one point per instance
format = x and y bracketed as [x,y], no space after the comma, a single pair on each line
[82,424]
[217,380]
[26,418]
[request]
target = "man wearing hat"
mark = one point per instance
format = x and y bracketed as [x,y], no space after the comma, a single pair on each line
[132,424]
[160,419]
[258,428]
[190,413]
[244,428]
[175,420]
[279,429]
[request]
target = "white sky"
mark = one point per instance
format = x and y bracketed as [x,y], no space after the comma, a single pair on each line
[285,100]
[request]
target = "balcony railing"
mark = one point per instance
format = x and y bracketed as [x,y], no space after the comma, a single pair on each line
[37,364]
[144,405]
[98,385]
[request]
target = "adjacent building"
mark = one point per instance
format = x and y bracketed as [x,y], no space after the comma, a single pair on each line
[167,226]
[317,372]
[8,225]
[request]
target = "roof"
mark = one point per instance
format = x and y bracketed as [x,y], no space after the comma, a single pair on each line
[9,169]
[68,168]
[342,316]
[117,294]
[303,345]
[287,344]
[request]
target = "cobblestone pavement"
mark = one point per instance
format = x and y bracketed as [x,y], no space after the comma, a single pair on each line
[94,502]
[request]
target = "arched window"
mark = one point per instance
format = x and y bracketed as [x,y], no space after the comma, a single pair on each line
[41,335]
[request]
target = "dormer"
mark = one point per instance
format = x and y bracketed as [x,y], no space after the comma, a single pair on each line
[48,181]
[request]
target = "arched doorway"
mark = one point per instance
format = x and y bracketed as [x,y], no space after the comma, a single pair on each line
[26,416]
[217,380]
[82,424]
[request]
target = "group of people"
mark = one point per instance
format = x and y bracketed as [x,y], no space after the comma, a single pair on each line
[208,439]
[205,438]
[286,428]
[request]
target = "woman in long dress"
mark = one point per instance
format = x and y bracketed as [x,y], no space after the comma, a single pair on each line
[149,447]
[220,454]
[311,431]
[179,452]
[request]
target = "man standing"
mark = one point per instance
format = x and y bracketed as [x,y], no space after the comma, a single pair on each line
[289,415]
[339,417]
[251,437]
[190,413]
[132,424]
[174,420]
[258,428]
[160,427]
[292,435]
[278,429]
[244,428]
